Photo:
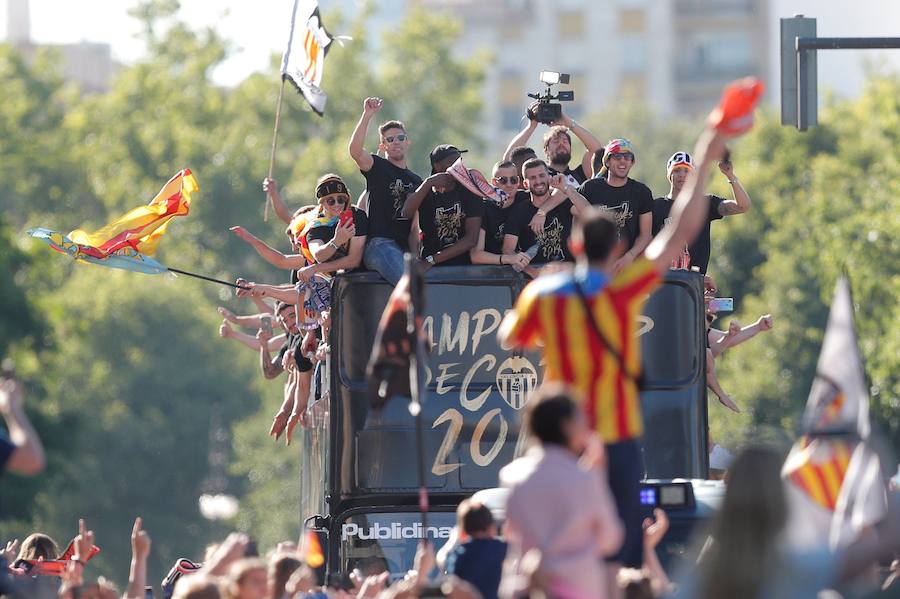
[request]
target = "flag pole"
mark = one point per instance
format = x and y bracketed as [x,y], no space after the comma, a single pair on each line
[205,278]
[274,145]
[415,390]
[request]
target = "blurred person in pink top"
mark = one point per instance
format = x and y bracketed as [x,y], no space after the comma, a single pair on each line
[559,501]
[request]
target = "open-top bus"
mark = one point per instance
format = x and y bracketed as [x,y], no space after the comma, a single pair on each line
[359,483]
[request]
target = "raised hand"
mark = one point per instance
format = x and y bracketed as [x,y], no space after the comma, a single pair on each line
[766,322]
[225,330]
[655,530]
[372,105]
[9,553]
[244,289]
[243,233]
[84,542]
[727,168]
[10,395]
[270,186]
[734,328]
[558,181]
[140,540]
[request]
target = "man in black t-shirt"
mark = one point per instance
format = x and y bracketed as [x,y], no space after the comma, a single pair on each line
[677,170]
[551,241]
[489,248]
[629,202]
[448,214]
[388,181]
[558,147]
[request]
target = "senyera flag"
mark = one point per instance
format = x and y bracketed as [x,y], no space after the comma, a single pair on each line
[303,62]
[832,475]
[128,241]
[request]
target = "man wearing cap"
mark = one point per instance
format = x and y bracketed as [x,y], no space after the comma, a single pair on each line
[558,147]
[628,202]
[677,170]
[447,214]
[388,181]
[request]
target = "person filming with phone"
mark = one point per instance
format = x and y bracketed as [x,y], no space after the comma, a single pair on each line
[337,236]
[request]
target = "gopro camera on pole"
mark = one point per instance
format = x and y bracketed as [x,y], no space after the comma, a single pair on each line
[545,110]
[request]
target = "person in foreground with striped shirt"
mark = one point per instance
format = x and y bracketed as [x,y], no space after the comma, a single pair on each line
[585,321]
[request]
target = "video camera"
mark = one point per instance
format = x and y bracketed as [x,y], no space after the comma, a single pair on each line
[545,110]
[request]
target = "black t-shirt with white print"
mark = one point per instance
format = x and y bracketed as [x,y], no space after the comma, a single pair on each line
[700,249]
[574,177]
[388,186]
[554,239]
[442,220]
[494,222]
[326,233]
[625,204]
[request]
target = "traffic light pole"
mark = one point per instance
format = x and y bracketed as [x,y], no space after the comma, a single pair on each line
[799,84]
[807,45]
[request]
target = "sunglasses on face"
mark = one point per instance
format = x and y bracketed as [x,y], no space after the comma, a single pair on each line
[626,156]
[335,200]
[399,137]
[514,180]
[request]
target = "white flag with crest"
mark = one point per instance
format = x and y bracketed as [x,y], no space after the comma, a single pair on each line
[832,476]
[303,62]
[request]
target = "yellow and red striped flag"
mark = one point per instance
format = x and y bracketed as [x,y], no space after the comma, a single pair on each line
[140,229]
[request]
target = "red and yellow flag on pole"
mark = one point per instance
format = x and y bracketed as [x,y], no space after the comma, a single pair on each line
[140,229]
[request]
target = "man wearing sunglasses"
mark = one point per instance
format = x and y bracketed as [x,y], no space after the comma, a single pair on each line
[678,168]
[388,182]
[628,202]
[489,248]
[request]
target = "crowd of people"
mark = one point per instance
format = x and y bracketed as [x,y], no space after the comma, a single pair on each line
[573,525]
[524,220]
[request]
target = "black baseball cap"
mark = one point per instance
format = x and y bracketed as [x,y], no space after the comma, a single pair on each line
[443,151]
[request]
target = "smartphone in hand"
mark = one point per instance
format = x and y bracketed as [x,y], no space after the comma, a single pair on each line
[721,304]
[265,323]
[346,216]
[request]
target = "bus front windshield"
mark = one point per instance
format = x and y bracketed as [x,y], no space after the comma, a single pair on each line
[377,542]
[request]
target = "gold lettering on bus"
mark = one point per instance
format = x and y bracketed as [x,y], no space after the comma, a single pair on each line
[444,376]
[476,403]
[481,329]
[440,466]
[451,339]
[475,445]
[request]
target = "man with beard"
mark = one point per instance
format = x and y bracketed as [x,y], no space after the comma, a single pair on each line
[549,241]
[628,202]
[558,147]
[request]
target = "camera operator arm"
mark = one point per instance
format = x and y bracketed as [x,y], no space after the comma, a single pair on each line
[520,139]
[591,143]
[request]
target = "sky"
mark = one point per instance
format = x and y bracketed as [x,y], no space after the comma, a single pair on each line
[258,29]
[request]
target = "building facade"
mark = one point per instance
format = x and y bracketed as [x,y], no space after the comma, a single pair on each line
[674,55]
